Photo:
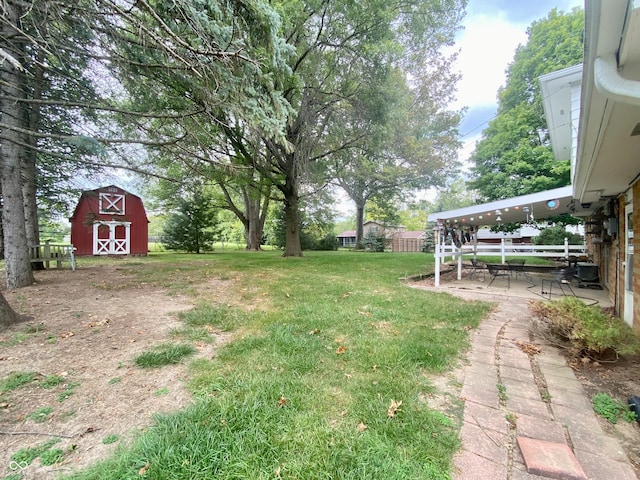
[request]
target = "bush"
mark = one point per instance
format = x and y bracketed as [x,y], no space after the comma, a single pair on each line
[556,235]
[588,329]
[328,242]
[374,241]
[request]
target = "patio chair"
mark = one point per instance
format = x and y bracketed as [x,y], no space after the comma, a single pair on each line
[476,269]
[562,280]
[517,266]
[497,271]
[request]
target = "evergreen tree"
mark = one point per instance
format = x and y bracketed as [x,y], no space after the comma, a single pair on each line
[193,227]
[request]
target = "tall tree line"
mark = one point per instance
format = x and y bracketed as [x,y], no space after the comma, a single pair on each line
[514,156]
[367,89]
[259,98]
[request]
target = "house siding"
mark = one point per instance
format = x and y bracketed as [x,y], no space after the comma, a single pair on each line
[610,256]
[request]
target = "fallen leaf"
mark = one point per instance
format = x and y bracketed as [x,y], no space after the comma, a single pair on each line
[394,407]
[282,402]
[341,350]
[67,335]
[315,331]
[143,471]
[361,427]
[528,348]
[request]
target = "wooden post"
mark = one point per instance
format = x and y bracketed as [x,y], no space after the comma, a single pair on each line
[47,253]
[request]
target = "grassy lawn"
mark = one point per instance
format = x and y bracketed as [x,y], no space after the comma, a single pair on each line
[325,377]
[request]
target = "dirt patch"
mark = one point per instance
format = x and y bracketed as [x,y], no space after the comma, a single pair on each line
[85,330]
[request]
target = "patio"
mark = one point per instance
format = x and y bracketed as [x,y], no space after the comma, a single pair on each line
[543,284]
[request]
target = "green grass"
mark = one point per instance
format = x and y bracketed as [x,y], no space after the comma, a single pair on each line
[26,456]
[16,380]
[51,381]
[40,415]
[324,348]
[165,354]
[69,390]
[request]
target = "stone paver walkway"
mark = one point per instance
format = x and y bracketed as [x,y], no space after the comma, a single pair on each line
[509,394]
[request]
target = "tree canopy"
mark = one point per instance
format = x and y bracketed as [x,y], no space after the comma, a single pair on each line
[514,156]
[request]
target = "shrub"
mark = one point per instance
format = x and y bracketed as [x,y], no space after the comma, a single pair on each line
[556,235]
[374,241]
[193,226]
[588,329]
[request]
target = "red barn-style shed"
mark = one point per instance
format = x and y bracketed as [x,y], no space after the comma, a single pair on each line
[109,221]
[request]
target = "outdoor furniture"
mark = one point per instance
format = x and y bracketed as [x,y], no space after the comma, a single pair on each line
[498,271]
[562,280]
[517,267]
[476,269]
[588,275]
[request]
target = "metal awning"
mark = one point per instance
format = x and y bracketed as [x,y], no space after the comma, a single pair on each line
[523,209]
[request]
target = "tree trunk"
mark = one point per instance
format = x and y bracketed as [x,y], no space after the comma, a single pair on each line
[292,247]
[359,225]
[254,224]
[253,233]
[7,316]
[29,162]
[17,265]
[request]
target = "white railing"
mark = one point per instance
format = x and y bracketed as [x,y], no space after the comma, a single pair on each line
[502,249]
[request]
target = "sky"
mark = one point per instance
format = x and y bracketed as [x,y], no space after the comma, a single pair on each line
[493,29]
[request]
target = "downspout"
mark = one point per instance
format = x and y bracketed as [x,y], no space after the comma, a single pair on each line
[610,83]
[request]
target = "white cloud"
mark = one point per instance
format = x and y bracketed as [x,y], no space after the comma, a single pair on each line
[487,45]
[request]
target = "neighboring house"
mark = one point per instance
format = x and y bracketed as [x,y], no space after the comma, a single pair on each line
[348,238]
[593,115]
[524,234]
[109,221]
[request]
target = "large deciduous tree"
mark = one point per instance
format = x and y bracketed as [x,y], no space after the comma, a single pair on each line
[412,138]
[217,81]
[345,50]
[514,157]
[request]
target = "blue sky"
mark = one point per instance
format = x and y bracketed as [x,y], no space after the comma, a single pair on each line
[493,30]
